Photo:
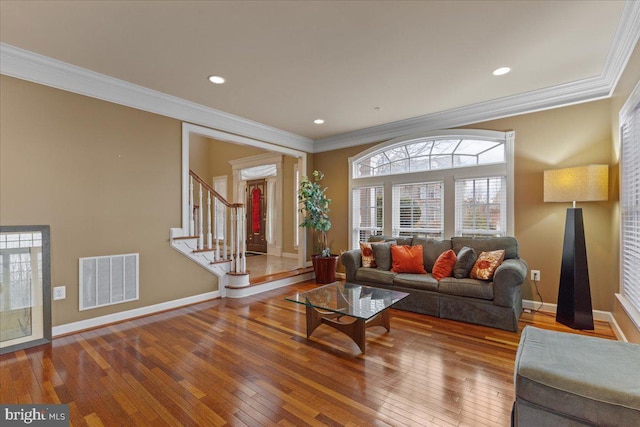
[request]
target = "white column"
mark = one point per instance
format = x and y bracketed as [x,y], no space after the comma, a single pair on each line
[209,245]
[244,241]
[233,238]
[238,236]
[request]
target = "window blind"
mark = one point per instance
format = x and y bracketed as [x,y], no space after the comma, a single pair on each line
[630,206]
[418,209]
[367,217]
[481,206]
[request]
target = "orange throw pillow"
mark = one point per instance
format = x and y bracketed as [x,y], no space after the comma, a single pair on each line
[407,259]
[443,266]
[486,265]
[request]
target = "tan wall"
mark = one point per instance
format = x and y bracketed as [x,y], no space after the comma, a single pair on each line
[556,138]
[106,178]
[199,157]
[563,137]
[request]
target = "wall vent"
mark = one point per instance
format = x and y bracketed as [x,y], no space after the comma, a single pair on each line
[107,280]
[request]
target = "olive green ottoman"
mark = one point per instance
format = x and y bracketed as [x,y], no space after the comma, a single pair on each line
[563,379]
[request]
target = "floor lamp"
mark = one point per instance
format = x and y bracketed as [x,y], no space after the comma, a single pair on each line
[578,184]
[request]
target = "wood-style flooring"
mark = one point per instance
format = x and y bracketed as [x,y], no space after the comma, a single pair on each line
[248,363]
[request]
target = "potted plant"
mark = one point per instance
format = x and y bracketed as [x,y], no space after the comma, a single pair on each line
[315,206]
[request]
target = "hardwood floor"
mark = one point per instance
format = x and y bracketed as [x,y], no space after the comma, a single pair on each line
[248,362]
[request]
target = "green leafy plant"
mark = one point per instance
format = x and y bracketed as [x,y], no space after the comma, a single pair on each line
[315,206]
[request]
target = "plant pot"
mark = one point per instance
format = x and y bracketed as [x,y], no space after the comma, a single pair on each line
[325,268]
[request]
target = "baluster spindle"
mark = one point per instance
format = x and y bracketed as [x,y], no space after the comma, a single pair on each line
[225,228]
[200,228]
[209,245]
[216,237]
[192,219]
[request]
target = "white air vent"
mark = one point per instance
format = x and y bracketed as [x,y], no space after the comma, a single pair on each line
[108,280]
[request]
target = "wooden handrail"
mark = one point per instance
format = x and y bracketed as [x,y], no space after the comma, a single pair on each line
[214,192]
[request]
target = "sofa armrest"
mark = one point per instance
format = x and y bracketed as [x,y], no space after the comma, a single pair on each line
[508,276]
[352,260]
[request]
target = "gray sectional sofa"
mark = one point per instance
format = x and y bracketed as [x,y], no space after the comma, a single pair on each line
[496,303]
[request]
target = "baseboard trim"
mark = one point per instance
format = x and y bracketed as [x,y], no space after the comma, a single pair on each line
[605,316]
[108,319]
[267,286]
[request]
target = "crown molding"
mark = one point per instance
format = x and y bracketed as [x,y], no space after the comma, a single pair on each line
[26,65]
[589,89]
[623,44]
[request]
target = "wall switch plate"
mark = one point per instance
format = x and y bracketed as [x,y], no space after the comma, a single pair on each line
[59,292]
[535,275]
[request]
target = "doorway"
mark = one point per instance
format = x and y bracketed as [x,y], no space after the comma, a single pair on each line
[256,203]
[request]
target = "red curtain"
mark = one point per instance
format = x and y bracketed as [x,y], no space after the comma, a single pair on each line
[256,212]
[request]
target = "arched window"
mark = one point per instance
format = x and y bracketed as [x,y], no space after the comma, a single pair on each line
[439,184]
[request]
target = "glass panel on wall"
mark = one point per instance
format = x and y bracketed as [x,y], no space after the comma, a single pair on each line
[24,282]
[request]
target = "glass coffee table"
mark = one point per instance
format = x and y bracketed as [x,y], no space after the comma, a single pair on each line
[361,306]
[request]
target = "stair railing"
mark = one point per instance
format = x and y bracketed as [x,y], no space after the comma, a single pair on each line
[215,222]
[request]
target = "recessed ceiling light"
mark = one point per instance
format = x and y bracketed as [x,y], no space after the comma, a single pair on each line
[216,80]
[318,121]
[501,71]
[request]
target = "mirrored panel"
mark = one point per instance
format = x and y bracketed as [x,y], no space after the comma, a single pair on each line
[25,287]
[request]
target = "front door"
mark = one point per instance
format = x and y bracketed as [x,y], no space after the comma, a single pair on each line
[256,202]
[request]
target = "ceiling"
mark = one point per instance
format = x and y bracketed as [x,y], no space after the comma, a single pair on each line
[355,64]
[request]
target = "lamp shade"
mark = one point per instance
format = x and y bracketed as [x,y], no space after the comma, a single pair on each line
[579,184]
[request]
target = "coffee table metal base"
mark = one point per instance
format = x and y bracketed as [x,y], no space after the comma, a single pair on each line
[354,329]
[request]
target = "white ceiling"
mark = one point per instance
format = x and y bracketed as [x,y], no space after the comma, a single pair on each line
[287,63]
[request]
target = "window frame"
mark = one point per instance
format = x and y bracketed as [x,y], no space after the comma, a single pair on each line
[626,114]
[449,176]
[355,231]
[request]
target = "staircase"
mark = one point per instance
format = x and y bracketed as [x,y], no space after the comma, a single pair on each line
[213,242]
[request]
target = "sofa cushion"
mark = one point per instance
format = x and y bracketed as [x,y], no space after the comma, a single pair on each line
[486,244]
[375,275]
[486,265]
[407,259]
[464,262]
[416,281]
[382,254]
[368,257]
[431,250]
[444,265]
[466,288]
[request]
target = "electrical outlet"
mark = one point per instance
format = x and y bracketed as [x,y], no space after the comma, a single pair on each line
[59,292]
[535,275]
